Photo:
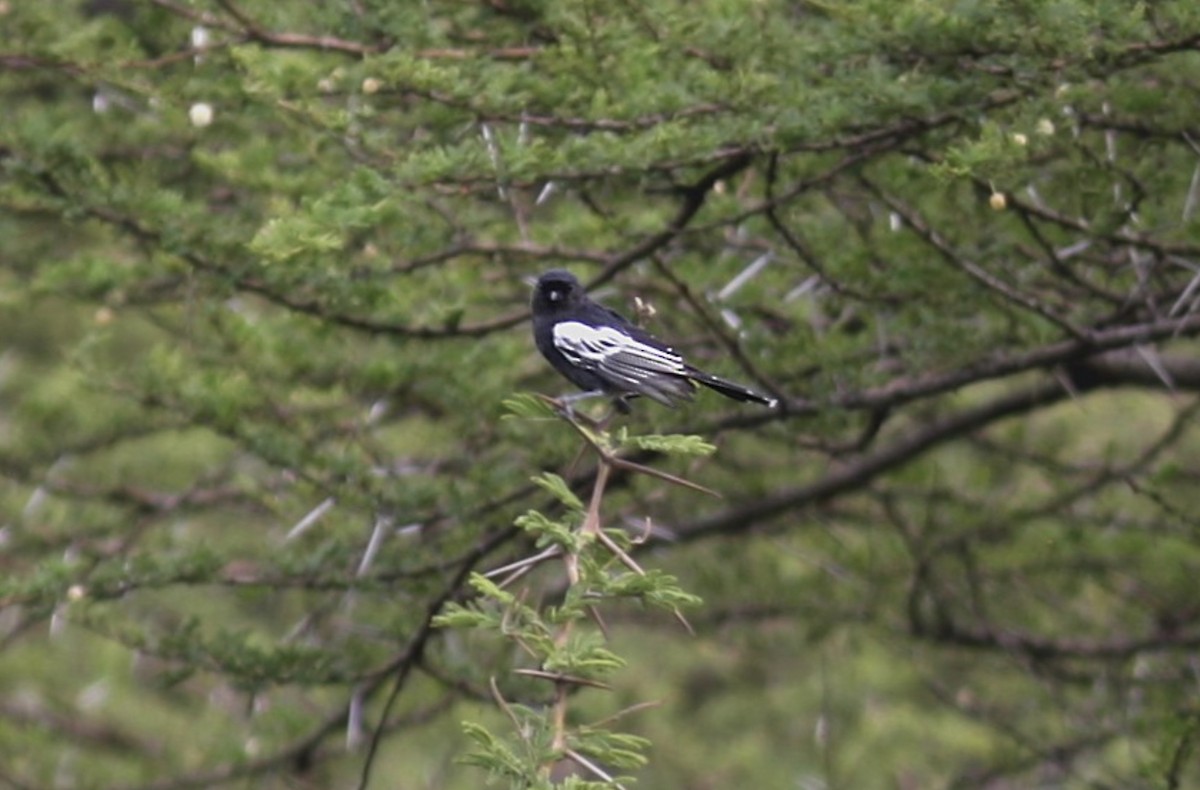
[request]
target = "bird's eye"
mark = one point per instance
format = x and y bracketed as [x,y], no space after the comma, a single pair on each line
[555,295]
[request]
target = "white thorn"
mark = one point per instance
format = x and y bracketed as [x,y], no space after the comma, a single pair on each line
[745,275]
[311,518]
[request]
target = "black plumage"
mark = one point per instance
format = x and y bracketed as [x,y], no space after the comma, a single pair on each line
[599,351]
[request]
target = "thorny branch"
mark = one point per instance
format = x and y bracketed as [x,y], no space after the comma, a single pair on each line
[1089,355]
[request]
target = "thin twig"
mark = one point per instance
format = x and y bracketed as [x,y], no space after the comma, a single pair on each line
[559,677]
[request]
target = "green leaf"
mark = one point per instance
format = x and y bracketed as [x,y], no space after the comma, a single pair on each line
[549,531]
[527,406]
[459,616]
[671,444]
[558,488]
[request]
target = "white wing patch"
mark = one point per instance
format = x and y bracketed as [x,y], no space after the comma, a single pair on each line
[612,350]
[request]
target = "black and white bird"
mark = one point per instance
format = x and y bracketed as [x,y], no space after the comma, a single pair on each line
[602,353]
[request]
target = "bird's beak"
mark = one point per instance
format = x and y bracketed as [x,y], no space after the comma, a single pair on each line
[529,280]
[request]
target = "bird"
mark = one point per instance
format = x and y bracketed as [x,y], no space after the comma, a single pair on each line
[602,353]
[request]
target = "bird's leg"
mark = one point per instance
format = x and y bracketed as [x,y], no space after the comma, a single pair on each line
[566,403]
[620,405]
[578,396]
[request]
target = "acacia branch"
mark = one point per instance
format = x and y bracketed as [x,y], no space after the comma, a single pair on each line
[857,474]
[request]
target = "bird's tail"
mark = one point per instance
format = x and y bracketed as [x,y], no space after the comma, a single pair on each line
[730,389]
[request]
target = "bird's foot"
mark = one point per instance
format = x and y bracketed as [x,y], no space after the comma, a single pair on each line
[565,406]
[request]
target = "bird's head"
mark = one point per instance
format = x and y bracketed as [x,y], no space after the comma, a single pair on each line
[555,290]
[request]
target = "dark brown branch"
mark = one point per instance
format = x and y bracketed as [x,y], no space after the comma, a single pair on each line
[973,270]
[402,666]
[1046,357]
[693,197]
[857,474]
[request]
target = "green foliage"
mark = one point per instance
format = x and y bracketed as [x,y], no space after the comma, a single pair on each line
[559,489]
[558,642]
[671,445]
[1178,737]
[263,298]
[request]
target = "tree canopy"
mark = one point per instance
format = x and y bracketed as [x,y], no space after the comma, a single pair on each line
[264,460]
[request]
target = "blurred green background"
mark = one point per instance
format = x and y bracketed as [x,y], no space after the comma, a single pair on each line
[263,291]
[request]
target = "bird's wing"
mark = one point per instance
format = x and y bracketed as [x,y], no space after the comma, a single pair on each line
[615,353]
